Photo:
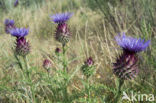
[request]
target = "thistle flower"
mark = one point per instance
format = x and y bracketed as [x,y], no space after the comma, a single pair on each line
[19,32]
[88,67]
[9,24]
[22,46]
[47,64]
[62,31]
[16,3]
[126,66]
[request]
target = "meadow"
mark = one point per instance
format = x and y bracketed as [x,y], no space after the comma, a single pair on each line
[93,27]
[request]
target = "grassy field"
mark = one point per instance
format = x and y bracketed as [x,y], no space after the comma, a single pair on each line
[94,25]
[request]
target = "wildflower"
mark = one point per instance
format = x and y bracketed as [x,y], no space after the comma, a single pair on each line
[22,46]
[9,24]
[62,31]
[126,64]
[16,3]
[61,17]
[19,32]
[47,64]
[88,67]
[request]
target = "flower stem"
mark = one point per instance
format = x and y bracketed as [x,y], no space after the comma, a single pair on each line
[120,83]
[64,58]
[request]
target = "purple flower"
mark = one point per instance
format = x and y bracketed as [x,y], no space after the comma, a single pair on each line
[131,44]
[61,17]
[19,32]
[9,24]
[126,66]
[15,3]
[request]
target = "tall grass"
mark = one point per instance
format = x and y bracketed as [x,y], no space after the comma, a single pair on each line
[93,27]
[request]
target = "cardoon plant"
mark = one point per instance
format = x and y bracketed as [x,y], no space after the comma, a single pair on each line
[126,66]
[62,31]
[22,46]
[9,24]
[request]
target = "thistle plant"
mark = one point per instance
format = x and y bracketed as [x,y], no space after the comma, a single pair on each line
[22,46]
[126,66]
[62,31]
[88,70]
[9,24]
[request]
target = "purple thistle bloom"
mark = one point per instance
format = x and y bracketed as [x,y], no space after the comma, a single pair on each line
[19,32]
[16,3]
[9,24]
[61,17]
[131,44]
[126,66]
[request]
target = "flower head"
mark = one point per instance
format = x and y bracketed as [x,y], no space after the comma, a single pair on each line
[15,3]
[61,17]
[19,32]
[9,24]
[22,47]
[131,44]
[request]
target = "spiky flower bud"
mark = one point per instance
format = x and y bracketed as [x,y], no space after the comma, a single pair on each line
[57,50]
[9,24]
[22,46]
[126,66]
[88,68]
[62,31]
[47,64]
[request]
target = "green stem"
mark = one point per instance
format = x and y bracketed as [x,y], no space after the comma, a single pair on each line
[117,97]
[27,67]
[64,58]
[29,78]
[18,60]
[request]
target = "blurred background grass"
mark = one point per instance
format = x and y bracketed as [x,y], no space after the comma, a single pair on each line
[93,27]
